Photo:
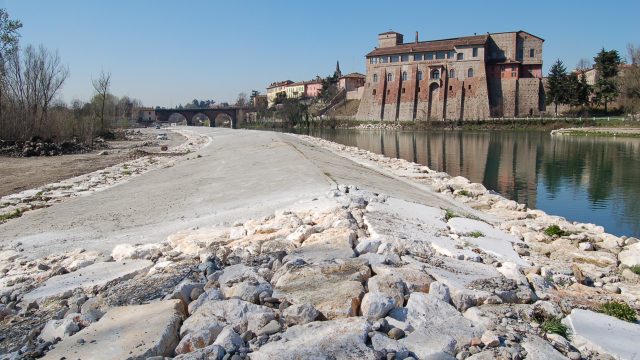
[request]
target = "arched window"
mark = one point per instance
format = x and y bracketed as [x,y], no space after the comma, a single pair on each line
[404,76]
[470,73]
[375,77]
[419,75]
[389,77]
[452,74]
[435,74]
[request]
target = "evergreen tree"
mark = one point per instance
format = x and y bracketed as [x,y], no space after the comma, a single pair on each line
[584,91]
[557,85]
[606,88]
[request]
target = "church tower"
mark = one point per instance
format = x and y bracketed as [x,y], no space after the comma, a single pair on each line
[338,73]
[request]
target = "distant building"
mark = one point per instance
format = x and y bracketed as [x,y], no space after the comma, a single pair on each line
[471,77]
[293,90]
[259,101]
[145,114]
[351,81]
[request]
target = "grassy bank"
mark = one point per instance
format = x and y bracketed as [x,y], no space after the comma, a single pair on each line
[491,124]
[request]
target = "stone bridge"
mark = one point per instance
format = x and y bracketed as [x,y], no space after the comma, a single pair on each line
[216,115]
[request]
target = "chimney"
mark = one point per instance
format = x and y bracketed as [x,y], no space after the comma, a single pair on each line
[416,37]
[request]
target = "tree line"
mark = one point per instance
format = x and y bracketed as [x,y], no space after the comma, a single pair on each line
[30,81]
[613,82]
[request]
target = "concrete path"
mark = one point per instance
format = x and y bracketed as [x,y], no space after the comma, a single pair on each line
[242,174]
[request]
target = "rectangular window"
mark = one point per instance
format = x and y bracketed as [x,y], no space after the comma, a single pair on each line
[513,74]
[532,53]
[384,60]
[440,55]
[460,56]
[395,58]
[374,91]
[428,56]
[451,55]
[475,52]
[373,60]
[403,90]
[417,57]
[520,54]
[404,58]
[418,89]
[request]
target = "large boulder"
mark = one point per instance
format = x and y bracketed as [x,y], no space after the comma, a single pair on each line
[244,315]
[630,256]
[333,287]
[90,278]
[592,331]
[439,328]
[336,339]
[243,282]
[137,331]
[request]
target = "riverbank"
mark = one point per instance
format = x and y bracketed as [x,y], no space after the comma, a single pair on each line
[632,132]
[491,124]
[372,258]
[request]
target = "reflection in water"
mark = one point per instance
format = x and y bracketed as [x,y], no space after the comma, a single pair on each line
[586,179]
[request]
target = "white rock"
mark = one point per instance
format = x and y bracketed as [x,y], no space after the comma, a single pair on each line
[244,315]
[539,349]
[490,339]
[127,251]
[229,340]
[439,327]
[89,278]
[440,291]
[137,331]
[337,339]
[630,256]
[586,246]
[59,329]
[197,340]
[299,314]
[591,331]
[376,305]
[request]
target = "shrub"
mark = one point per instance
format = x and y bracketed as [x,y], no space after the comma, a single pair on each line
[463,193]
[553,325]
[554,230]
[449,214]
[619,310]
[635,269]
[475,234]
[11,215]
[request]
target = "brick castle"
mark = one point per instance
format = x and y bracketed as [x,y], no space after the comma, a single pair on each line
[465,78]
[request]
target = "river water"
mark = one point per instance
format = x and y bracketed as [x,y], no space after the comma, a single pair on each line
[587,179]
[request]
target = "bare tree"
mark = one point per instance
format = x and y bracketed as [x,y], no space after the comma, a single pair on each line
[101,86]
[584,64]
[33,81]
[634,54]
[8,46]
[243,99]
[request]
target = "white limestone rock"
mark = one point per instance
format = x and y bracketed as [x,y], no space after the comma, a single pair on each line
[62,329]
[539,349]
[89,278]
[439,327]
[338,339]
[299,314]
[630,256]
[137,331]
[333,287]
[376,305]
[244,315]
[592,331]
[127,251]
[243,282]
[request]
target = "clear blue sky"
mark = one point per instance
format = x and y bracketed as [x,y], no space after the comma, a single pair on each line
[170,52]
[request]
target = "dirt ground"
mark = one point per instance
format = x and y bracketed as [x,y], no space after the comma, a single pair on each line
[18,174]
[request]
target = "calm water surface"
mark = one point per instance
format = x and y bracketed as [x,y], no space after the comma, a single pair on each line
[585,179]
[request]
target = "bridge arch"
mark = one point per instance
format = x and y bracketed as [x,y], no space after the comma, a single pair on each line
[201,119]
[223,120]
[236,115]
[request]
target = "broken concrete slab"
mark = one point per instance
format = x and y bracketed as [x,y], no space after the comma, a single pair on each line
[137,331]
[89,278]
